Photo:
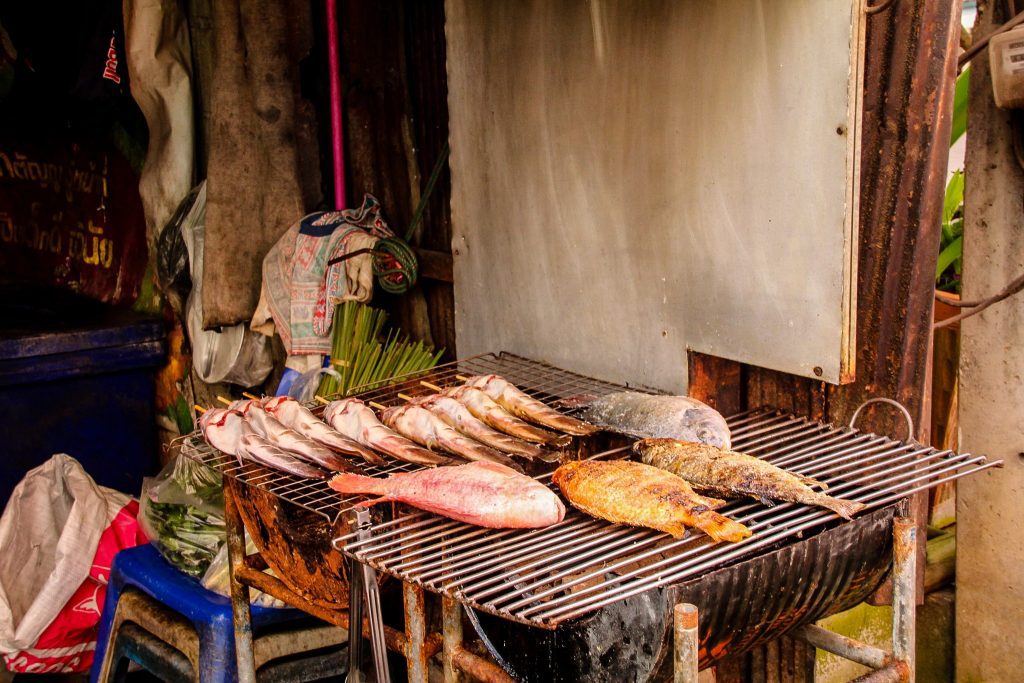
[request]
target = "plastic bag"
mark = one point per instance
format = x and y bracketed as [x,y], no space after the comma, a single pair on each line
[234,354]
[182,512]
[218,580]
[58,537]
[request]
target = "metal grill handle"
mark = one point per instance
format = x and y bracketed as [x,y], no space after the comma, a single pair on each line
[897,404]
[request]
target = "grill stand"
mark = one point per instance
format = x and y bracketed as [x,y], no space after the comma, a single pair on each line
[364,594]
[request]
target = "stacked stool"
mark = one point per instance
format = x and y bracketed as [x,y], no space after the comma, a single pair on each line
[168,624]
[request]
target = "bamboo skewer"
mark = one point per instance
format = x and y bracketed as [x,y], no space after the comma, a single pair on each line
[374,404]
[250,396]
[199,409]
[225,401]
[428,385]
[405,397]
[321,399]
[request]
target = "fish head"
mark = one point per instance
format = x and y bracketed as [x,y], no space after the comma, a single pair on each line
[273,403]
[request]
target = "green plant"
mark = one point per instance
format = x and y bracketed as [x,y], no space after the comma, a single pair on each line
[361,361]
[951,240]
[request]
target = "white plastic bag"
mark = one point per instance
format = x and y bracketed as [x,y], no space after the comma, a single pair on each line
[52,577]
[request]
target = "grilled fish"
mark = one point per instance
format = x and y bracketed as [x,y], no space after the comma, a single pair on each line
[647,416]
[493,415]
[295,415]
[731,474]
[356,420]
[458,417]
[640,495]
[222,429]
[482,493]
[422,426]
[255,447]
[292,442]
[515,401]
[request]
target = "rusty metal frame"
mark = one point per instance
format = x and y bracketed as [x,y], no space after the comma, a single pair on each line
[895,666]
[898,665]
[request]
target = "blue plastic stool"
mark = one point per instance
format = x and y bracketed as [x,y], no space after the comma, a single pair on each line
[145,570]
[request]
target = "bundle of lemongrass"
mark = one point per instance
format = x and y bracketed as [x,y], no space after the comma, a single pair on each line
[361,361]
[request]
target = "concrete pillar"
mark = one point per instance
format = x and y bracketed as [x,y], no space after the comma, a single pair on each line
[990,506]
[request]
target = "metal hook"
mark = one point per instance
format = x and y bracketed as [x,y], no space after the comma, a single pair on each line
[902,409]
[875,9]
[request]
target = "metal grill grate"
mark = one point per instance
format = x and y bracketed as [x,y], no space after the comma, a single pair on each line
[539,379]
[543,577]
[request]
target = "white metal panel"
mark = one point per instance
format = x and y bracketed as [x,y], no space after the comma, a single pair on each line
[631,179]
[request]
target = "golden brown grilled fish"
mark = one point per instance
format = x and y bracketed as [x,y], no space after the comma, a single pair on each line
[493,415]
[637,494]
[730,474]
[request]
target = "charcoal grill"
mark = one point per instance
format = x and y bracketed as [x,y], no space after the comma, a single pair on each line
[555,578]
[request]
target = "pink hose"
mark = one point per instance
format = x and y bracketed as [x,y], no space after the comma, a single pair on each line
[337,140]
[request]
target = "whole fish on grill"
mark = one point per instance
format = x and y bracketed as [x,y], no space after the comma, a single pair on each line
[292,442]
[257,448]
[520,404]
[458,417]
[420,425]
[356,420]
[640,495]
[293,414]
[653,416]
[493,415]
[222,428]
[482,493]
[730,474]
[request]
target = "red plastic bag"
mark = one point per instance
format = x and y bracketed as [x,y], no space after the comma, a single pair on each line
[56,522]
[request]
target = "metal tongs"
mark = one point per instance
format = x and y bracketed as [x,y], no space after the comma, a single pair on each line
[364,594]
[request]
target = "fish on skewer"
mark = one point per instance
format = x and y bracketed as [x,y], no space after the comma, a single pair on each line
[293,414]
[493,415]
[422,426]
[356,420]
[483,493]
[222,429]
[633,493]
[458,417]
[257,448]
[520,404]
[293,442]
[731,474]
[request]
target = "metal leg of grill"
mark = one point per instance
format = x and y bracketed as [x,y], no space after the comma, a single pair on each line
[451,629]
[415,632]
[241,615]
[686,656]
[897,666]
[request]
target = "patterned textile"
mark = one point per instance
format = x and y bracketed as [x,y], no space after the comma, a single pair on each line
[299,291]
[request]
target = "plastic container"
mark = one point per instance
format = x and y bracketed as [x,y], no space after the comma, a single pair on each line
[1006,62]
[76,377]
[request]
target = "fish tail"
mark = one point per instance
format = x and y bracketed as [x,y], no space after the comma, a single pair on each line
[345,482]
[844,508]
[720,527]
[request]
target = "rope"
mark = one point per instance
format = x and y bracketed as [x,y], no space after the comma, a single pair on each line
[394,262]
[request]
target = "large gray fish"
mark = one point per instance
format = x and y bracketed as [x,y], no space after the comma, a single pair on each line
[729,474]
[222,429]
[356,420]
[520,404]
[422,426]
[457,416]
[652,416]
[490,413]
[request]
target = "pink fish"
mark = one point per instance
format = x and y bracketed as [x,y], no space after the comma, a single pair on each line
[482,493]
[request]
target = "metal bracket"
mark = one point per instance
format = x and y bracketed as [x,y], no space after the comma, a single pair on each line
[897,404]
[364,594]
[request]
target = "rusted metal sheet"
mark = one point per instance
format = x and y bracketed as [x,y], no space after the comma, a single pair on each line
[295,543]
